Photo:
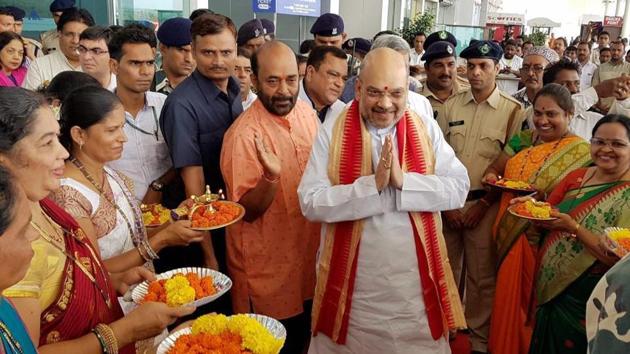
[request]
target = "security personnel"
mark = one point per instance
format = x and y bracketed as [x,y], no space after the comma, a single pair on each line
[251,35]
[50,39]
[33,47]
[328,30]
[447,36]
[176,49]
[477,123]
[441,69]
[269,29]
[356,49]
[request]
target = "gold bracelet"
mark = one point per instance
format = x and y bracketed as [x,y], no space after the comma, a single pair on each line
[108,336]
[272,181]
[577,228]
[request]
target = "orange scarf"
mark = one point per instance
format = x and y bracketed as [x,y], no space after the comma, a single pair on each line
[350,158]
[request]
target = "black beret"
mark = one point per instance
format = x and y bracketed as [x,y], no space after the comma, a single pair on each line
[439,36]
[360,45]
[249,30]
[268,26]
[18,14]
[439,50]
[175,32]
[483,50]
[60,5]
[328,25]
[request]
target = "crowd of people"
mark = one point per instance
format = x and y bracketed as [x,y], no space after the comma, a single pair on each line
[364,169]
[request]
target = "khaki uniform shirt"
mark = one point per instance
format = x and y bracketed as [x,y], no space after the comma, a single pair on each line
[50,41]
[479,131]
[608,71]
[436,103]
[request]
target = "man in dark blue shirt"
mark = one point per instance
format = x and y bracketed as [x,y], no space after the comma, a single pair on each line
[195,117]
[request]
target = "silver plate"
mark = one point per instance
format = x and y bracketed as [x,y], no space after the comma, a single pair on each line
[274,326]
[221,282]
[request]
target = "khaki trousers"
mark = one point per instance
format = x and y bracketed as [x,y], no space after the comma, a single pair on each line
[474,249]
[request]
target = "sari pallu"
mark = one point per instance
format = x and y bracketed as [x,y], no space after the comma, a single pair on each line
[11,319]
[567,272]
[544,166]
[80,305]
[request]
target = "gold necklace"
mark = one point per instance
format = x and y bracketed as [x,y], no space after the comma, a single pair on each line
[82,267]
[13,343]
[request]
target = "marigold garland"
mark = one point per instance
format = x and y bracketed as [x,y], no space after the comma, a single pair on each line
[236,334]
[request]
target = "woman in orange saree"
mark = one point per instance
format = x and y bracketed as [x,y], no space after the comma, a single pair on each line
[540,157]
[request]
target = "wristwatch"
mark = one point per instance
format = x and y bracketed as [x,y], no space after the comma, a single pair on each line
[156,185]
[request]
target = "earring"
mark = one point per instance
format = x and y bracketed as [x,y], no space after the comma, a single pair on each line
[81,146]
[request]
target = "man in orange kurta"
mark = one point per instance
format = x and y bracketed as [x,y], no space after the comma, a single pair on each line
[271,253]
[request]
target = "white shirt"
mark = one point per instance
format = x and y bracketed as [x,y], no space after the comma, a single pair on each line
[44,68]
[251,97]
[420,104]
[112,83]
[387,314]
[333,110]
[582,124]
[145,157]
[414,58]
[508,83]
[586,77]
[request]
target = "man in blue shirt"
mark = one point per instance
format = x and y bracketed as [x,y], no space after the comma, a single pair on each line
[195,117]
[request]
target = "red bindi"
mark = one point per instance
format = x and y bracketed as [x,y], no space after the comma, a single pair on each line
[385,88]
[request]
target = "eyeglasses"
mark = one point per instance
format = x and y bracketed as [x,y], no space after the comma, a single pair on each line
[94,51]
[536,69]
[613,144]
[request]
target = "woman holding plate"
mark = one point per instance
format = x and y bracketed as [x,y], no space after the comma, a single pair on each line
[67,298]
[573,254]
[100,198]
[540,157]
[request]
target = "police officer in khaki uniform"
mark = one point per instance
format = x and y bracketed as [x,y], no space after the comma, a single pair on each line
[441,70]
[50,39]
[477,123]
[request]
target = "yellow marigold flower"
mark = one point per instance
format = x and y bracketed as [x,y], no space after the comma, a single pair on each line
[256,337]
[211,324]
[619,234]
[179,291]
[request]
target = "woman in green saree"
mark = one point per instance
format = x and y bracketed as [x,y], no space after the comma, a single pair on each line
[572,255]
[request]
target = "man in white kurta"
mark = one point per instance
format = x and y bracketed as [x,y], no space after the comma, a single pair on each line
[387,313]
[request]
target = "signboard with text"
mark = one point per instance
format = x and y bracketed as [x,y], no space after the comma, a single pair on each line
[264,6]
[613,21]
[497,18]
[288,7]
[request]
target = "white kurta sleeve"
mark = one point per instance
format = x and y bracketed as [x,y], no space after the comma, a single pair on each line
[620,107]
[322,202]
[584,100]
[33,76]
[445,190]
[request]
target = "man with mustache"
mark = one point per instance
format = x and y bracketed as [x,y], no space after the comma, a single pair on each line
[587,67]
[145,156]
[271,254]
[176,50]
[535,60]
[614,68]
[441,69]
[194,119]
[326,74]
[71,23]
[477,123]
[378,176]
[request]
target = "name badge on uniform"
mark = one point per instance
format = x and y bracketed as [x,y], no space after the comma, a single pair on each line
[456,123]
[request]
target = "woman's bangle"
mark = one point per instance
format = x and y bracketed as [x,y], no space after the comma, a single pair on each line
[101,341]
[106,337]
[577,228]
